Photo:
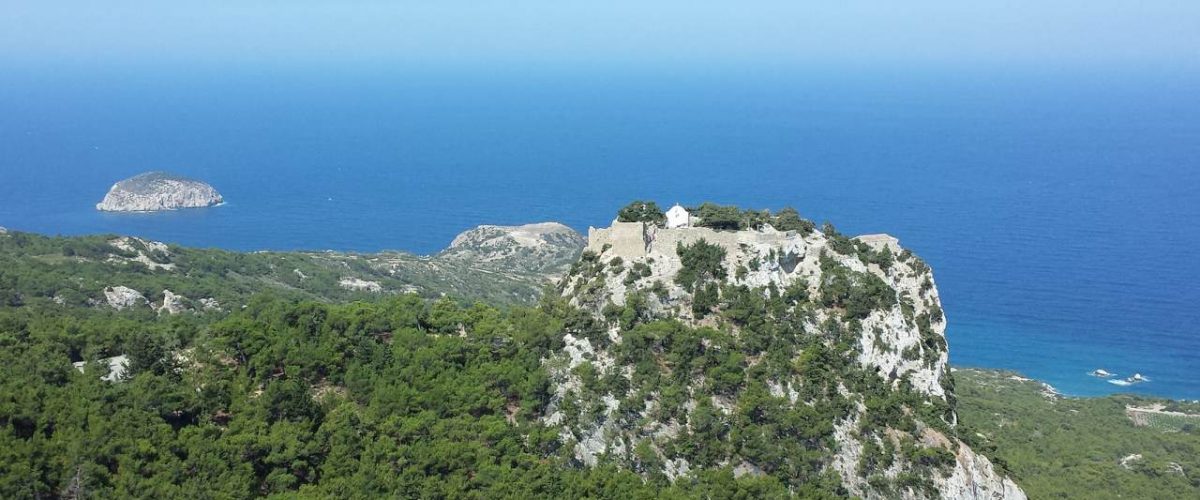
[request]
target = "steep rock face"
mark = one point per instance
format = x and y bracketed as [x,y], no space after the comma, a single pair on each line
[853,345]
[547,248]
[157,191]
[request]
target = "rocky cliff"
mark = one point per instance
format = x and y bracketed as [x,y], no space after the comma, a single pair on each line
[803,355]
[157,191]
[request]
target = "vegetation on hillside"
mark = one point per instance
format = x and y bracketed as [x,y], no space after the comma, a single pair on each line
[755,377]
[74,271]
[403,395]
[1060,447]
[394,397]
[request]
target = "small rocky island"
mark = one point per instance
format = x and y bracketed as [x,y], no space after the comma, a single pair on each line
[158,191]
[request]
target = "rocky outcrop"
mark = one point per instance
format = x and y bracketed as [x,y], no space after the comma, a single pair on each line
[865,300]
[171,303]
[158,191]
[117,366]
[152,254]
[360,285]
[546,248]
[892,340]
[121,298]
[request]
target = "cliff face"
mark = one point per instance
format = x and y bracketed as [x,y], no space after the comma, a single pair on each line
[843,339]
[157,191]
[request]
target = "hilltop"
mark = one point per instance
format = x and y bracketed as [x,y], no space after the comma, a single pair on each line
[799,354]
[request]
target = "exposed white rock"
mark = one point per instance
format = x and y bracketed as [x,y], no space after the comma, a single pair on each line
[1128,461]
[120,297]
[974,477]
[3,230]
[361,285]
[157,191]
[172,303]
[210,304]
[117,366]
[771,257]
[147,252]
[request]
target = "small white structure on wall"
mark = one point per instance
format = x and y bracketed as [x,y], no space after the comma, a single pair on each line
[678,216]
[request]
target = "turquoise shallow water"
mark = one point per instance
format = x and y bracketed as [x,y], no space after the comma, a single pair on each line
[1059,211]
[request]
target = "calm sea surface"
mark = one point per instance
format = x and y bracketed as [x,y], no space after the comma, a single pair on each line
[1060,212]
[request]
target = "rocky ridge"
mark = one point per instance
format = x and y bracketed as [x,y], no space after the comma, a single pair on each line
[867,301]
[496,264]
[158,191]
[547,248]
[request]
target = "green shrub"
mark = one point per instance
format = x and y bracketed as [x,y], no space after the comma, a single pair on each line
[642,211]
[702,261]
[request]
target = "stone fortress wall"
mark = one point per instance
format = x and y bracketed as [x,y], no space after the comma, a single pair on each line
[636,240]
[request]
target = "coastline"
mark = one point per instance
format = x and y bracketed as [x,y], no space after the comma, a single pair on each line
[1052,391]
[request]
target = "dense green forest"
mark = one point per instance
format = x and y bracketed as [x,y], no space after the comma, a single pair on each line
[395,397]
[285,390]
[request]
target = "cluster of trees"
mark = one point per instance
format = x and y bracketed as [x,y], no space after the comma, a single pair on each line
[703,270]
[642,211]
[730,217]
[844,245]
[720,217]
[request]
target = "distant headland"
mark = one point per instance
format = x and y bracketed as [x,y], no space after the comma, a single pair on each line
[158,191]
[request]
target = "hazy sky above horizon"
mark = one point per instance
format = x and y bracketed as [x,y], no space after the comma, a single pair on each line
[1160,33]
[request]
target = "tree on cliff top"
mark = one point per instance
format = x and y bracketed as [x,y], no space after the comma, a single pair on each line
[641,211]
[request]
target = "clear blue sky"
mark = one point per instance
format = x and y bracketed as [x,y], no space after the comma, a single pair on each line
[1161,33]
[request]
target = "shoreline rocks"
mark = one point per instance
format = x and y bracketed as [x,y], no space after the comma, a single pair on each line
[158,191]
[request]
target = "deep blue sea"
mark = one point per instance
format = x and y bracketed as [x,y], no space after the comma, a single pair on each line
[1060,210]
